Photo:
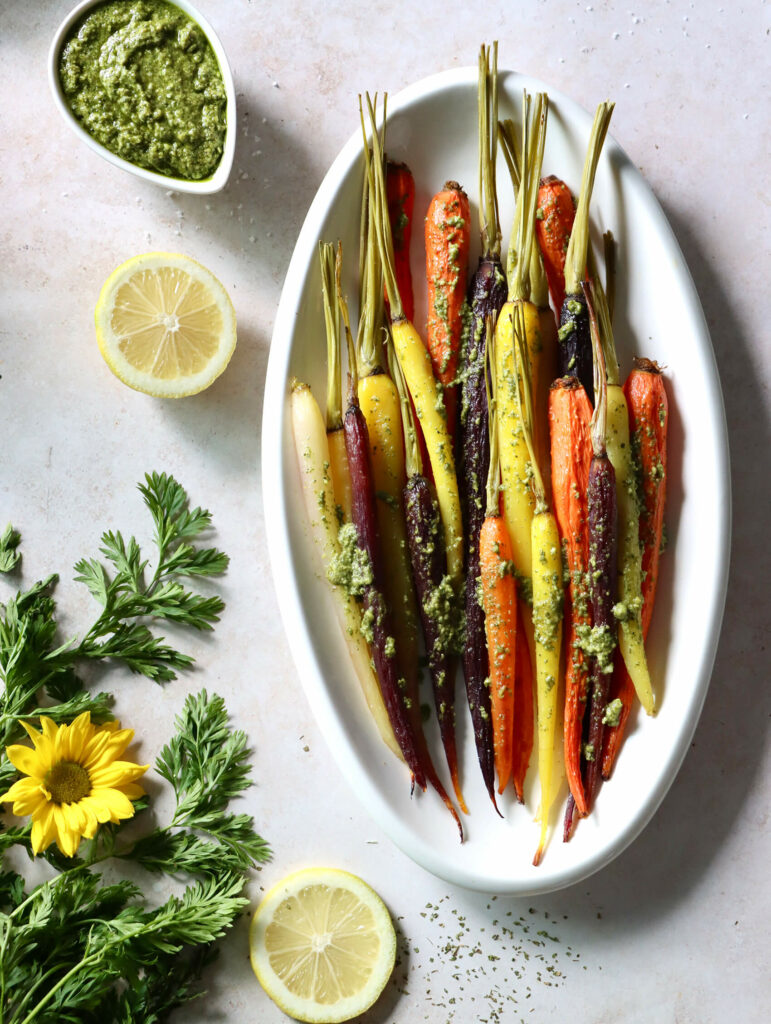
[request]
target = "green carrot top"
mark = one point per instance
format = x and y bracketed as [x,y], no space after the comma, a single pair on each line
[523,385]
[494,470]
[488,151]
[332,324]
[375,173]
[575,258]
[534,114]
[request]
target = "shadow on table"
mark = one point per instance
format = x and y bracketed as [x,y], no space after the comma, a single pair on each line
[259,214]
[707,798]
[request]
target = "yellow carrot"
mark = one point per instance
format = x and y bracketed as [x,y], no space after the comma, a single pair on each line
[516,469]
[630,638]
[522,315]
[416,365]
[630,597]
[547,627]
[548,597]
[313,460]
[380,404]
[341,477]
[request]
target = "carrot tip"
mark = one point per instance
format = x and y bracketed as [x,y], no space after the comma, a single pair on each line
[495,803]
[458,790]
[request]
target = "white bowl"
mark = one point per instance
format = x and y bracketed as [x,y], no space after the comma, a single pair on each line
[203,187]
[432,127]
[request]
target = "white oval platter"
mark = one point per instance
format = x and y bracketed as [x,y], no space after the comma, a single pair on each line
[432,127]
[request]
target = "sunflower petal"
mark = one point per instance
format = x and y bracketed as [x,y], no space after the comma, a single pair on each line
[116,774]
[31,731]
[43,829]
[26,760]
[96,806]
[132,791]
[67,837]
[26,795]
[117,803]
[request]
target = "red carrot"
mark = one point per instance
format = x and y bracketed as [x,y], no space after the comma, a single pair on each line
[400,196]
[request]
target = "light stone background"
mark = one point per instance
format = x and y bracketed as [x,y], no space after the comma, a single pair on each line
[677,928]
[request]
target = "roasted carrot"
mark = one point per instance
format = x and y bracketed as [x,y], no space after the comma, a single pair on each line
[548,596]
[524,720]
[379,401]
[442,626]
[542,345]
[319,498]
[571,455]
[416,366]
[648,418]
[575,349]
[554,223]
[448,240]
[400,194]
[646,399]
[498,592]
[602,583]
[630,579]
[516,467]
[377,619]
[487,295]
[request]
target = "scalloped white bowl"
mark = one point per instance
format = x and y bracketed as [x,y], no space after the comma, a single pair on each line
[205,186]
[432,126]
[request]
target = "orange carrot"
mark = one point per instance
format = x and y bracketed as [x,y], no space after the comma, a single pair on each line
[554,222]
[400,196]
[448,238]
[648,417]
[498,592]
[524,722]
[571,454]
[499,599]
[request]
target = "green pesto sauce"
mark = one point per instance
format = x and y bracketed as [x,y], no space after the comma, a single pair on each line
[441,607]
[142,79]
[350,569]
[598,642]
[547,612]
[612,713]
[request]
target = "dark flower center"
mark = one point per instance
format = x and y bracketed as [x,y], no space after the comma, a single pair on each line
[68,782]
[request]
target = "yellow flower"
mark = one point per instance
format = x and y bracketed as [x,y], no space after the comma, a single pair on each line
[75,781]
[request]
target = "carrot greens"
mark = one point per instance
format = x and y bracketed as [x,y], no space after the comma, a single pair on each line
[66,943]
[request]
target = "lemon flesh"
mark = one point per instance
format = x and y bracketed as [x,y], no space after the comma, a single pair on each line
[165,325]
[322,945]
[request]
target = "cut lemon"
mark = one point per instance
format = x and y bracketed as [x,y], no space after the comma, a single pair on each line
[165,325]
[322,945]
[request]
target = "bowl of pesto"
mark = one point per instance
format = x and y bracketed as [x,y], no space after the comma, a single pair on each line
[147,85]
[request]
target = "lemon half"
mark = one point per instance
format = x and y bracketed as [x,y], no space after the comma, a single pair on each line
[165,325]
[322,945]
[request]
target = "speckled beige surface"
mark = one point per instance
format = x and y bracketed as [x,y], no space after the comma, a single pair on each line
[677,928]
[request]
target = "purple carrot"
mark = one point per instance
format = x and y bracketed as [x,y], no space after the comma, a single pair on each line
[487,295]
[436,600]
[382,645]
[603,545]
[601,500]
